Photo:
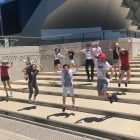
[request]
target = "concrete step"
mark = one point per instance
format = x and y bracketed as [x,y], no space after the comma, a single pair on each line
[85,85]
[82,79]
[122,110]
[132,66]
[29,130]
[83,73]
[132,69]
[93,124]
[123,97]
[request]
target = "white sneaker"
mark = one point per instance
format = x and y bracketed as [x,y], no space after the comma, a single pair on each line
[11,95]
[30,101]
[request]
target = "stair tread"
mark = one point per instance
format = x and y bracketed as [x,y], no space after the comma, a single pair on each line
[87,103]
[100,122]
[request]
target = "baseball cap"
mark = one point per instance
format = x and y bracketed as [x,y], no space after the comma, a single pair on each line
[102,56]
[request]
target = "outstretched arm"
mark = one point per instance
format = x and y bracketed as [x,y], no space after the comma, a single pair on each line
[110,47]
[129,44]
[117,48]
[61,56]
[11,64]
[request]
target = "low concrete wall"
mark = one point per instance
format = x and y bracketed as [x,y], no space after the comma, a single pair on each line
[47,55]
[44,55]
[135,47]
[15,55]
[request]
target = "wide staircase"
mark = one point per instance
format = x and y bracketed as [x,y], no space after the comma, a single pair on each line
[95,118]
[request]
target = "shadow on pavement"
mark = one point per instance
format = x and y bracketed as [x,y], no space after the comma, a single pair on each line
[66,115]
[27,108]
[93,119]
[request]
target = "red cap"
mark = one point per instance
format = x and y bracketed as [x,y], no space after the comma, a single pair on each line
[102,56]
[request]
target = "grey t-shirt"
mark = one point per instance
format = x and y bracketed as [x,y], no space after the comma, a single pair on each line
[67,82]
[67,78]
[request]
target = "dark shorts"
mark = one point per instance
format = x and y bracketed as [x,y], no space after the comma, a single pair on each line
[56,62]
[102,85]
[5,78]
[125,68]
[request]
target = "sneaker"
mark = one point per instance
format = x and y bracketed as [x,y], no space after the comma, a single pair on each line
[119,84]
[126,84]
[11,95]
[30,101]
[110,99]
[63,108]
[115,98]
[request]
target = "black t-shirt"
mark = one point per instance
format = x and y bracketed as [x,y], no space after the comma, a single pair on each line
[70,54]
[32,74]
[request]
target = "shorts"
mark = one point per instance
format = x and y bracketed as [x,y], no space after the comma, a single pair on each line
[115,61]
[102,85]
[65,90]
[5,78]
[71,61]
[125,68]
[57,61]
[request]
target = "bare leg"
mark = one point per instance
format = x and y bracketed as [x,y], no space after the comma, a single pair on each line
[58,67]
[9,85]
[5,87]
[64,100]
[121,78]
[55,68]
[128,76]
[73,102]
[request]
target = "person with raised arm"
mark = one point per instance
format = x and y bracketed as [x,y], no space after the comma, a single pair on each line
[89,61]
[5,78]
[116,61]
[67,84]
[125,64]
[71,53]
[57,57]
[102,66]
[32,72]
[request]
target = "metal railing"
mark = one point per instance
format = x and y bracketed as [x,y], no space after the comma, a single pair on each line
[11,41]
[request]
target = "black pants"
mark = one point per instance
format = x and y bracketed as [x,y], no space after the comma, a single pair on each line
[89,62]
[32,85]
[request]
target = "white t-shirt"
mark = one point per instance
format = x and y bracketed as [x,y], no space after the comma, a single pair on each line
[87,53]
[58,56]
[71,72]
[97,51]
[101,68]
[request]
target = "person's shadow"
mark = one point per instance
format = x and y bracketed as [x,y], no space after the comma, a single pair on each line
[66,115]
[93,119]
[27,108]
